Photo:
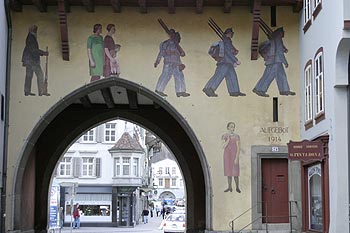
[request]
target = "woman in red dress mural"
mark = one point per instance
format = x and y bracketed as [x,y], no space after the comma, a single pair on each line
[231,145]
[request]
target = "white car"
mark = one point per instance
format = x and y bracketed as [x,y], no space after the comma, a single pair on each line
[174,223]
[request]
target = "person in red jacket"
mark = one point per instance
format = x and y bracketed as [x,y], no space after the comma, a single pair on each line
[76,216]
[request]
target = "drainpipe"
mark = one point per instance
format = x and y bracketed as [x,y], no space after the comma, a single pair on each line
[7,100]
[348,117]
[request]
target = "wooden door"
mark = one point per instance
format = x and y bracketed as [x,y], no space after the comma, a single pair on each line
[275,190]
[167,183]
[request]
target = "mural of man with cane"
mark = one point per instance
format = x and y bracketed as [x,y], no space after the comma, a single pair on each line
[31,60]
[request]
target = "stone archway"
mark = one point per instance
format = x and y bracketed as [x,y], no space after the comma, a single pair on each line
[86,107]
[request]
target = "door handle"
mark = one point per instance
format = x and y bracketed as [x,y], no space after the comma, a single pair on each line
[273,190]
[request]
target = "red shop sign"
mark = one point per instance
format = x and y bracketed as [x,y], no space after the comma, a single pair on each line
[305,150]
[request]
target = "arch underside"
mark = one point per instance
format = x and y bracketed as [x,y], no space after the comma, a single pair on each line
[87,107]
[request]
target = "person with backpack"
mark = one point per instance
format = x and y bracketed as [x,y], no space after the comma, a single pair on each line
[225,54]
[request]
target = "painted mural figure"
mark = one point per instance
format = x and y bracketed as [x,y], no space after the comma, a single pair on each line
[231,145]
[111,64]
[171,51]
[95,53]
[225,67]
[31,60]
[273,53]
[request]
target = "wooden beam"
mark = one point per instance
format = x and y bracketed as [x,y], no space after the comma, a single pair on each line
[298,6]
[41,5]
[199,6]
[132,97]
[86,101]
[89,5]
[273,16]
[108,98]
[16,5]
[143,6]
[255,30]
[171,6]
[116,6]
[63,28]
[227,6]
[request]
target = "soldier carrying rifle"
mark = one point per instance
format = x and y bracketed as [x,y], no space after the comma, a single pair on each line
[171,51]
[273,51]
[225,55]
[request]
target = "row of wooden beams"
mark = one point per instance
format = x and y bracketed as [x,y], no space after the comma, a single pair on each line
[64,29]
[108,98]
[16,5]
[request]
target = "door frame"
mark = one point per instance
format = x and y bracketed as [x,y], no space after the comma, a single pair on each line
[294,183]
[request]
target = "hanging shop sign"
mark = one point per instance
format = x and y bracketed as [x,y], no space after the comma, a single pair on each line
[305,151]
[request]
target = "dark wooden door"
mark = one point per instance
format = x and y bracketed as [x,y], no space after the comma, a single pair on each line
[275,190]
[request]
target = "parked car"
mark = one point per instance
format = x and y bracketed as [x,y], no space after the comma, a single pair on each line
[175,223]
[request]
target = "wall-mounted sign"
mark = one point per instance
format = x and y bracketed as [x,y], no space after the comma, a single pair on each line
[305,151]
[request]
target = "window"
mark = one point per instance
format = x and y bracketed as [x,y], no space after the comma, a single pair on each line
[315,197]
[308,92]
[181,182]
[110,132]
[316,7]
[307,11]
[319,89]
[88,167]
[167,170]
[89,136]
[126,166]
[160,183]
[117,167]
[173,171]
[65,167]
[160,171]
[173,182]
[135,167]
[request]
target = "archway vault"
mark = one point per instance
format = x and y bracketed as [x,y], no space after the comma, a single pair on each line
[86,107]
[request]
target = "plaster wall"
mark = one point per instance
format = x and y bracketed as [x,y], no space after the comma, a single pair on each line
[3,68]
[327,31]
[140,36]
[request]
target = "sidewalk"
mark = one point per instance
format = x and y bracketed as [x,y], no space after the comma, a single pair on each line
[152,226]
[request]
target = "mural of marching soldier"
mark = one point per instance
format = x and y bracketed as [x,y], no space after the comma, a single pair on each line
[225,54]
[171,52]
[273,53]
[31,60]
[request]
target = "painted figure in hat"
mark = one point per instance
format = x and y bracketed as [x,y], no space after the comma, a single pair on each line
[225,66]
[171,52]
[273,53]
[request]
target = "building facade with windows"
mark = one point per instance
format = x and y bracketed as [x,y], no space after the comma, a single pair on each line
[168,180]
[103,171]
[324,53]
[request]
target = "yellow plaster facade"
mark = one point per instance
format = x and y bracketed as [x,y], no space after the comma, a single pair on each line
[140,36]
